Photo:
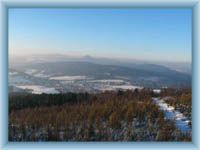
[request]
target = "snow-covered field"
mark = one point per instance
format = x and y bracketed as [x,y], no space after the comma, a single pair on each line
[126,87]
[13,73]
[68,78]
[30,71]
[37,89]
[37,73]
[170,113]
[108,81]
[41,75]
[117,87]
[16,80]
[156,91]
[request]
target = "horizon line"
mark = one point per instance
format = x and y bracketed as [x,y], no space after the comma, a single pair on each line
[128,59]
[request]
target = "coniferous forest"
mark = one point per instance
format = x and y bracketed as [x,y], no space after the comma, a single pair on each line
[129,115]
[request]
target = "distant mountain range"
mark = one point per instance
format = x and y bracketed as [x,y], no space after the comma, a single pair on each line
[147,75]
[18,60]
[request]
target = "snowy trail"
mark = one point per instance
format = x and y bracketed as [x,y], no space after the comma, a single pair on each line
[170,113]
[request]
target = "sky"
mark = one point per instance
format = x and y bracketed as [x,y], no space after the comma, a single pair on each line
[143,34]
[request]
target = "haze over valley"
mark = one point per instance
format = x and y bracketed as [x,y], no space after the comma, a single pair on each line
[62,73]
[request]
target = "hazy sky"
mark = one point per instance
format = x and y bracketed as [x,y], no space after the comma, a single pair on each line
[147,34]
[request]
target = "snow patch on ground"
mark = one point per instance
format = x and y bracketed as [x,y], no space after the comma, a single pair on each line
[13,80]
[41,75]
[108,81]
[68,78]
[37,89]
[126,87]
[30,71]
[13,73]
[170,113]
[157,91]
[36,73]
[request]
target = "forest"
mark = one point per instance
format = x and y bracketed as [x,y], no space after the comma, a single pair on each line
[108,116]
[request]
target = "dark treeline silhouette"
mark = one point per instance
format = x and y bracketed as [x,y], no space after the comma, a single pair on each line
[20,101]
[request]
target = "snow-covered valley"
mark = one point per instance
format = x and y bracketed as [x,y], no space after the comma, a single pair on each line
[49,83]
